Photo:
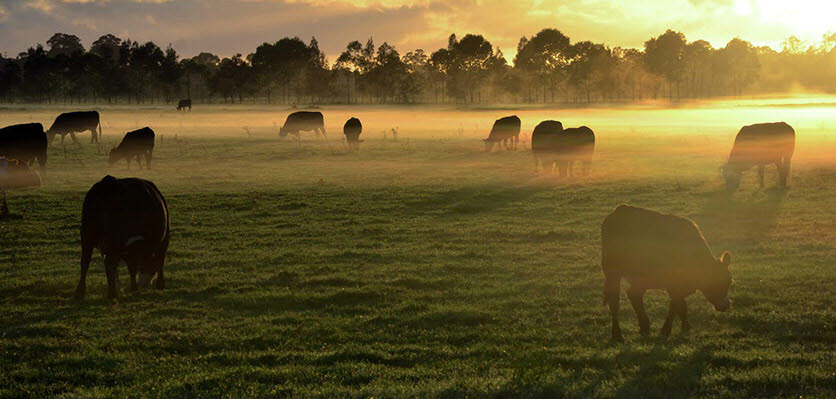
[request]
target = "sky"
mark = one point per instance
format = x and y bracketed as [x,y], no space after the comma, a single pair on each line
[226,27]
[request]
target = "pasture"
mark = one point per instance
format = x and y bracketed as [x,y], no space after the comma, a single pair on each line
[422,267]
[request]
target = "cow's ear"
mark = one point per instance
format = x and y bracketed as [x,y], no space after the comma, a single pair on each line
[725,259]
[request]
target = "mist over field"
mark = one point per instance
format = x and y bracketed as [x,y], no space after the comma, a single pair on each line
[421,266]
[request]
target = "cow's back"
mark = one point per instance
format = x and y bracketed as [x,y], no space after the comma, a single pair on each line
[577,142]
[352,128]
[644,243]
[763,143]
[76,120]
[544,137]
[23,142]
[504,128]
[305,118]
[116,211]
[141,138]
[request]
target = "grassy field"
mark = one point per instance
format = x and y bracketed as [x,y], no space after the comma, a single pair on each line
[420,267]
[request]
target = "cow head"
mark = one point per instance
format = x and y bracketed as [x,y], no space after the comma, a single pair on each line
[732,177]
[282,132]
[113,156]
[719,281]
[488,145]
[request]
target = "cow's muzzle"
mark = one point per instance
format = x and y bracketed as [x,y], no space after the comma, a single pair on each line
[723,306]
[144,280]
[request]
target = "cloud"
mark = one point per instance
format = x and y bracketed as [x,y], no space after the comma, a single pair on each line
[226,27]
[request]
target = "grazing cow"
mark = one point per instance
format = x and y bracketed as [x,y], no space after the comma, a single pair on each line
[125,219]
[183,104]
[25,143]
[303,121]
[656,251]
[352,130]
[575,144]
[15,175]
[760,145]
[76,122]
[544,143]
[505,130]
[137,144]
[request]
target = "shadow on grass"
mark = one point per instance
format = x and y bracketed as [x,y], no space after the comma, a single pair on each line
[750,220]
[475,199]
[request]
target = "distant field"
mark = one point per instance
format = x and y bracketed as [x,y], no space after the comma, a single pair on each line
[423,266]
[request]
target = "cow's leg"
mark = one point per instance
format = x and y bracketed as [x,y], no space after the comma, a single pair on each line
[159,262]
[760,175]
[132,268]
[93,135]
[86,257]
[75,139]
[148,156]
[636,296]
[612,288]
[562,167]
[676,309]
[112,271]
[587,166]
[139,161]
[683,315]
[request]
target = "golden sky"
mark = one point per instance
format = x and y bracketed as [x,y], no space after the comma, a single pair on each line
[225,27]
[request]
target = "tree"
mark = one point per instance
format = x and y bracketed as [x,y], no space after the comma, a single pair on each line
[738,62]
[64,44]
[544,58]
[663,56]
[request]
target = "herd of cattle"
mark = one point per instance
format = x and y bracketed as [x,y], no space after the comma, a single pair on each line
[127,219]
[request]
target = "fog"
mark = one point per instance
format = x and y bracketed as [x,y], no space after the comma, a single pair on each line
[234,147]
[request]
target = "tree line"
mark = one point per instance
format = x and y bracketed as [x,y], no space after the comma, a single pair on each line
[548,68]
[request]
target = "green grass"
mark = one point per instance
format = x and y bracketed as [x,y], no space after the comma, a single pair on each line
[415,269]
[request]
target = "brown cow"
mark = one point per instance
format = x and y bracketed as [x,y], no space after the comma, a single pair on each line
[505,131]
[760,145]
[656,251]
[352,130]
[126,219]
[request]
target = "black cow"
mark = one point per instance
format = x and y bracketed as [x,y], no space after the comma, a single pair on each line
[183,104]
[76,122]
[137,143]
[25,143]
[655,251]
[760,145]
[303,121]
[544,143]
[505,130]
[125,219]
[352,130]
[575,144]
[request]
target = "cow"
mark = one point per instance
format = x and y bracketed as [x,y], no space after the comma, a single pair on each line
[183,104]
[25,143]
[505,130]
[544,143]
[76,122]
[15,175]
[760,145]
[126,220]
[138,143]
[651,250]
[352,130]
[303,121]
[575,144]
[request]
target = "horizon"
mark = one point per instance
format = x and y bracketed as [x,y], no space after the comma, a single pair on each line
[406,25]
